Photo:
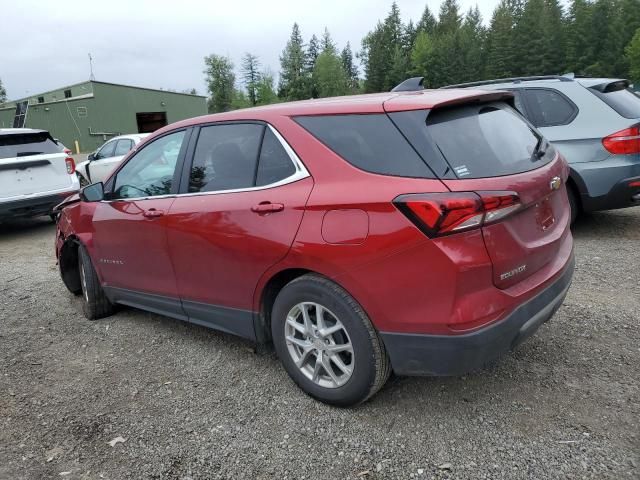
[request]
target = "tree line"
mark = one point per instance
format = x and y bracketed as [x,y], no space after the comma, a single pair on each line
[523,37]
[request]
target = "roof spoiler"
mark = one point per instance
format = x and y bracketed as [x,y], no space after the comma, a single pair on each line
[413,84]
[611,86]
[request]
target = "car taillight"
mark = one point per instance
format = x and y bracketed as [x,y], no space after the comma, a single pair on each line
[71,165]
[624,142]
[438,214]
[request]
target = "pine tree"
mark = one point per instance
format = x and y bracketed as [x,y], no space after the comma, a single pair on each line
[632,53]
[449,19]
[473,37]
[500,43]
[327,44]
[579,47]
[530,40]
[379,53]
[606,39]
[220,82]
[329,74]
[422,58]
[3,93]
[265,90]
[427,22]
[554,57]
[251,75]
[350,68]
[294,84]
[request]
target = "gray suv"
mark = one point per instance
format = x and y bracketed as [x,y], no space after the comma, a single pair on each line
[595,124]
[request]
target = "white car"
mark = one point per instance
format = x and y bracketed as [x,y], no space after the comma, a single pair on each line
[103,161]
[35,175]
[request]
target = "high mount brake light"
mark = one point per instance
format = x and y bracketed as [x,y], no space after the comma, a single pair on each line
[624,142]
[71,165]
[439,214]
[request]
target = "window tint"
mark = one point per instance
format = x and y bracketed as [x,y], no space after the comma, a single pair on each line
[123,147]
[67,94]
[23,145]
[549,107]
[370,142]
[107,150]
[274,164]
[225,157]
[485,140]
[150,171]
[624,101]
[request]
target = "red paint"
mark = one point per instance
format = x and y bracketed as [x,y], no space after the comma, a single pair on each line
[224,248]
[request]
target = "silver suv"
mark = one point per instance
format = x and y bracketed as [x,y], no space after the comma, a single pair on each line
[595,123]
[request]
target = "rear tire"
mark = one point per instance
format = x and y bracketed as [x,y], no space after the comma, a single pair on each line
[574,204]
[333,353]
[95,303]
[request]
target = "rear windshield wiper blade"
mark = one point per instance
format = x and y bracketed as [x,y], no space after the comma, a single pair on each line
[540,150]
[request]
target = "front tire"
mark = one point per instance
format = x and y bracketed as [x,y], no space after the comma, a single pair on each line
[95,303]
[326,342]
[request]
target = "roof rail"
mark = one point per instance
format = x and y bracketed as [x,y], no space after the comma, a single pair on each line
[562,78]
[410,85]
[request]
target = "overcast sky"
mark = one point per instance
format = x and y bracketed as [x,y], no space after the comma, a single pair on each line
[161,44]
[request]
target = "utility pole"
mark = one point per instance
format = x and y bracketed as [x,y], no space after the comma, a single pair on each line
[92,77]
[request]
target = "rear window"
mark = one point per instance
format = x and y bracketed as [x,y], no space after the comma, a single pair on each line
[624,101]
[485,140]
[370,142]
[25,144]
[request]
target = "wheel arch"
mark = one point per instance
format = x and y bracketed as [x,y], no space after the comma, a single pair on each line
[68,263]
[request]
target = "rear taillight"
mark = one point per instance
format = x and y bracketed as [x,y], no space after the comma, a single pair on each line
[71,165]
[624,142]
[438,214]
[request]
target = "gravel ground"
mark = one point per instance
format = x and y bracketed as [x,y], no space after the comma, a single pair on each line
[193,403]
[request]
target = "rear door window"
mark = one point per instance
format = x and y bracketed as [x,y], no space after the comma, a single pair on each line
[623,101]
[122,147]
[370,142]
[226,157]
[485,140]
[23,145]
[549,108]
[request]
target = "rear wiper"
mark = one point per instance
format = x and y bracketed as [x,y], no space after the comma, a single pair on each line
[540,150]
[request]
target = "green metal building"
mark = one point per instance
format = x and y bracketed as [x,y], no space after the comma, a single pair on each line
[84,115]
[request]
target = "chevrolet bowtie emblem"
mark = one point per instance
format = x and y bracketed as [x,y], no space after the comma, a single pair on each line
[555,183]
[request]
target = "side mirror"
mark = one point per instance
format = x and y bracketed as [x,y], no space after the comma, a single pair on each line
[92,193]
[91,156]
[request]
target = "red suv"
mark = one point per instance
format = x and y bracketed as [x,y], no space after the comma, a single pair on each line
[425,233]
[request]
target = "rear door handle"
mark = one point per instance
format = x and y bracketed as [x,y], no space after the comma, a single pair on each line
[153,213]
[267,207]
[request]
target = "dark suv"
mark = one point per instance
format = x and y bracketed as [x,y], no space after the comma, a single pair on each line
[424,233]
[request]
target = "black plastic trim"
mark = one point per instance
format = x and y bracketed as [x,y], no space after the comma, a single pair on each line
[231,320]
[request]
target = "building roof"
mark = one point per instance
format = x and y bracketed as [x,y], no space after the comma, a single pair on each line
[66,87]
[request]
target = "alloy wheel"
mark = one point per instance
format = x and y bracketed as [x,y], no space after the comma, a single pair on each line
[319,344]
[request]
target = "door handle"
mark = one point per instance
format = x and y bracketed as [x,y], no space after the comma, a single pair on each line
[267,207]
[152,213]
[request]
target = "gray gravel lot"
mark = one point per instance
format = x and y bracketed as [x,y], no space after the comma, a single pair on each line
[193,403]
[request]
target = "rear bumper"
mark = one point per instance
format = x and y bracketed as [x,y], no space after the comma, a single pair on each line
[32,206]
[444,355]
[621,195]
[604,185]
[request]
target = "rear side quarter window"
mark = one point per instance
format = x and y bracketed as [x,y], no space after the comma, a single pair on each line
[549,107]
[370,142]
